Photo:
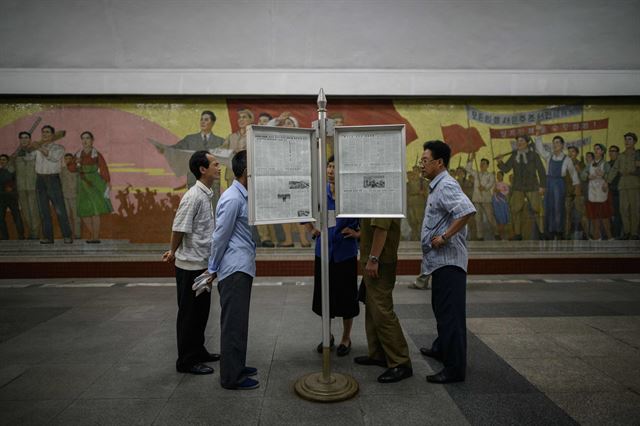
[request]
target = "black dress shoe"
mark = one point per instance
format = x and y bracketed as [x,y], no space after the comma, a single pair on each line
[198,369]
[210,358]
[344,350]
[395,374]
[431,353]
[442,378]
[365,360]
[331,345]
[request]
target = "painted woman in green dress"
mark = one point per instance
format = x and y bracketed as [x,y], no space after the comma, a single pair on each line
[93,186]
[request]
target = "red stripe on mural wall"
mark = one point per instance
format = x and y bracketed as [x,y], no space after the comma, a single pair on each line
[577,126]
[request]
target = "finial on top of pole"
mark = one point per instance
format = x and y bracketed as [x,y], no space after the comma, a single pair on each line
[322,100]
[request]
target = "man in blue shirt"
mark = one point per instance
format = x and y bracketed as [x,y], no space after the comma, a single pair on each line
[445,257]
[233,261]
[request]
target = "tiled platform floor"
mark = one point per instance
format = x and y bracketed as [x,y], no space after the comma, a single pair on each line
[542,350]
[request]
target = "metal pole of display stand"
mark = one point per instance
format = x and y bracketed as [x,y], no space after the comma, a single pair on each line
[325,386]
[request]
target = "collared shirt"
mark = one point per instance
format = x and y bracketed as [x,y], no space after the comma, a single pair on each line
[625,165]
[51,163]
[389,252]
[567,164]
[26,170]
[446,203]
[233,248]
[194,217]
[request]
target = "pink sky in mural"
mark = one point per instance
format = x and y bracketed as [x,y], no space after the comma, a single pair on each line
[120,136]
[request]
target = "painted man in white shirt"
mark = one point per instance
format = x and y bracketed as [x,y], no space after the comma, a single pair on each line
[484,184]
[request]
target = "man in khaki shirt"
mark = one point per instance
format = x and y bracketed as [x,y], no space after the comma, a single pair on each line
[379,240]
[628,167]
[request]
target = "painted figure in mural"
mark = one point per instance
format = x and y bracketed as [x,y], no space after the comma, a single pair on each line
[483,188]
[237,142]
[49,188]
[264,118]
[416,199]
[445,258]
[500,204]
[559,165]
[575,207]
[287,120]
[529,181]
[614,180]
[9,199]
[139,196]
[94,184]
[233,262]
[203,140]
[24,159]
[598,205]
[69,179]
[343,237]
[191,233]
[125,206]
[628,167]
[466,182]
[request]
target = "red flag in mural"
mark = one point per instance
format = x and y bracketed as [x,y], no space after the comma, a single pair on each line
[353,112]
[461,139]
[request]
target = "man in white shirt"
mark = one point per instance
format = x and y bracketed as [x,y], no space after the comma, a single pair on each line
[484,184]
[192,229]
[49,188]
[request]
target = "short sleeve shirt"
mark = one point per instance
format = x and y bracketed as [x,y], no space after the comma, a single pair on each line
[390,250]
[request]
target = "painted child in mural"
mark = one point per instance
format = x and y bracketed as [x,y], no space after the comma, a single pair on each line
[483,187]
[24,159]
[287,120]
[9,199]
[93,186]
[500,204]
[559,165]
[529,181]
[628,166]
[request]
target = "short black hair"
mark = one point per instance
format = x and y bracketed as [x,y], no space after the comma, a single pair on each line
[239,163]
[330,160]
[632,135]
[68,154]
[50,127]
[617,149]
[5,156]
[525,137]
[86,132]
[574,147]
[601,146]
[439,149]
[265,114]
[484,160]
[560,138]
[24,133]
[210,114]
[197,160]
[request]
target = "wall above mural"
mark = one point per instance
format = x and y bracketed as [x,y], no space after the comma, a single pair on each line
[95,169]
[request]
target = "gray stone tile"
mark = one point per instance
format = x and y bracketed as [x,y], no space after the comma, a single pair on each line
[433,409]
[564,375]
[111,412]
[135,381]
[30,412]
[524,346]
[9,372]
[498,326]
[300,412]
[630,337]
[218,411]
[52,381]
[558,325]
[601,408]
[595,345]
[614,323]
[624,370]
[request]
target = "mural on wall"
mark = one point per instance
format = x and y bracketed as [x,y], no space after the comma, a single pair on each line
[115,169]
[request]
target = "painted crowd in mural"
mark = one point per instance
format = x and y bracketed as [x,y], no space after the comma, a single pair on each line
[88,170]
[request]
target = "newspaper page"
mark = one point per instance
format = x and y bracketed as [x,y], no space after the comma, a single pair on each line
[371,172]
[281,172]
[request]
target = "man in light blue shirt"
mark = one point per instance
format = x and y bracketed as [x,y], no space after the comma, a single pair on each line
[233,261]
[445,257]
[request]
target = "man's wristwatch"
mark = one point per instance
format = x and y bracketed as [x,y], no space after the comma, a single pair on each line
[373,259]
